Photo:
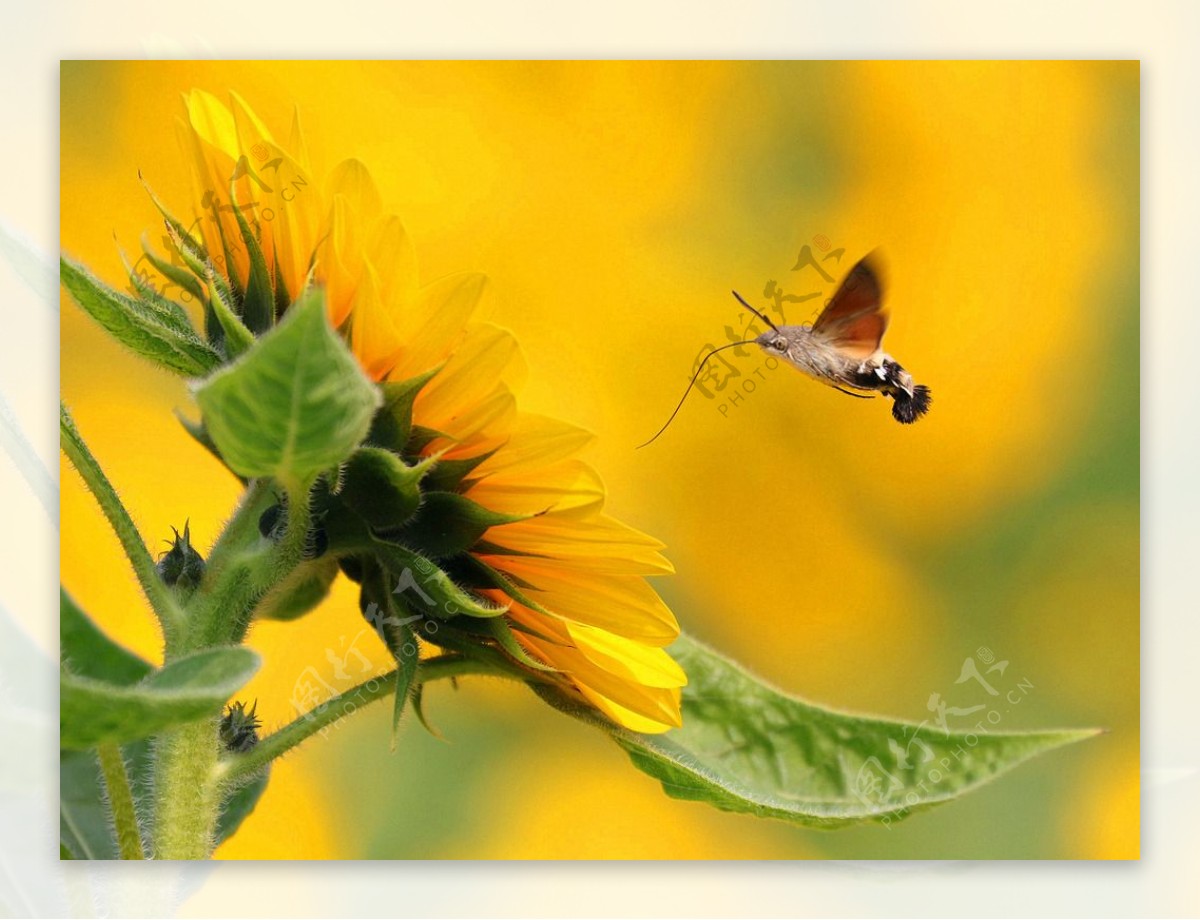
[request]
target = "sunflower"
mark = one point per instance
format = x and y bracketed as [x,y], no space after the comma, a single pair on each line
[568,580]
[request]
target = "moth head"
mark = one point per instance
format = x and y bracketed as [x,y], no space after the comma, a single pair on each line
[773,342]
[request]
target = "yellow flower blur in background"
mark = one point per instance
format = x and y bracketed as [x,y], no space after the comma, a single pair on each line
[844,557]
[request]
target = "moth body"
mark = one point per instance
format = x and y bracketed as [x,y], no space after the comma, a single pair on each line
[842,348]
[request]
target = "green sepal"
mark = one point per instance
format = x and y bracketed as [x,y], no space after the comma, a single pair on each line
[381,488]
[471,571]
[424,589]
[138,325]
[418,706]
[202,268]
[235,337]
[174,227]
[176,274]
[167,311]
[93,711]
[300,592]
[392,424]
[447,524]
[498,628]
[395,630]
[448,476]
[420,437]
[258,302]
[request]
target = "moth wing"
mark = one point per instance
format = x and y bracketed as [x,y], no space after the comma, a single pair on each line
[854,321]
[861,336]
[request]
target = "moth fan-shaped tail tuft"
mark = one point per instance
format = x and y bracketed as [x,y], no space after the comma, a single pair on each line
[907,409]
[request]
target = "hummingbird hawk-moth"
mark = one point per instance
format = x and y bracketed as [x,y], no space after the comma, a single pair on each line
[842,349]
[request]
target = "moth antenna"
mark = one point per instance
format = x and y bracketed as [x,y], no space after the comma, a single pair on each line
[691,383]
[761,316]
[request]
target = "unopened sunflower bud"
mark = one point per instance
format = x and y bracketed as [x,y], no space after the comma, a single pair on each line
[239,727]
[181,566]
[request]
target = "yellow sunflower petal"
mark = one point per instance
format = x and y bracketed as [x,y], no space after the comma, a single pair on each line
[633,660]
[658,704]
[569,487]
[536,440]
[624,605]
[444,308]
[391,251]
[601,544]
[373,338]
[630,719]
[487,359]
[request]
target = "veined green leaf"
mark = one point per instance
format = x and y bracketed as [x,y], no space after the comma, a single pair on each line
[140,327]
[746,747]
[292,406]
[94,711]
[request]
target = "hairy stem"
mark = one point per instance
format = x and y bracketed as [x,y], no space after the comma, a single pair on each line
[120,802]
[235,768]
[186,802]
[243,566]
[158,594]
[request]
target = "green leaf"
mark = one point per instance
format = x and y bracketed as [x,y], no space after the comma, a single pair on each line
[139,326]
[292,406]
[94,711]
[238,806]
[746,747]
[85,829]
[88,652]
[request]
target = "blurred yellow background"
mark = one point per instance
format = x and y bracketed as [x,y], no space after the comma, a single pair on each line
[846,558]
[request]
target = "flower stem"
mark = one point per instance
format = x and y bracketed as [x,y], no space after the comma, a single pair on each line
[157,593]
[235,768]
[243,566]
[120,802]
[186,801]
